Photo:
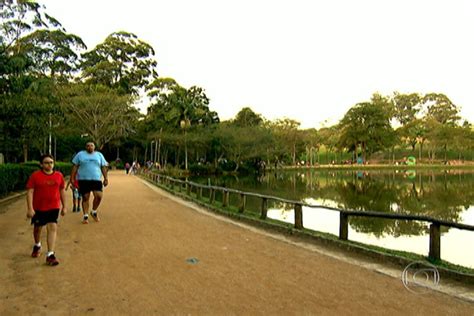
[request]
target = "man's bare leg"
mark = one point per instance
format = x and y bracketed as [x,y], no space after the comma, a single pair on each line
[37,234]
[52,229]
[85,207]
[37,237]
[95,204]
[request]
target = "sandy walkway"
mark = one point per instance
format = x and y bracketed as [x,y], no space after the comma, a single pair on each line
[135,262]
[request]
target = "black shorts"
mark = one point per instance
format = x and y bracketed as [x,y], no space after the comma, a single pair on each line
[42,218]
[86,186]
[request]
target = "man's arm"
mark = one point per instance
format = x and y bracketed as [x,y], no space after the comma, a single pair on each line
[104,170]
[72,177]
[29,203]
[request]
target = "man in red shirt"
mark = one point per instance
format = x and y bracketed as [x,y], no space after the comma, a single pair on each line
[45,197]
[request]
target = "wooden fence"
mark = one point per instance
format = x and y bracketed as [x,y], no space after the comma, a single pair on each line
[188,186]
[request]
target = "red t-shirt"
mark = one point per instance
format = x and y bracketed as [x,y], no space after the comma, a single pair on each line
[46,190]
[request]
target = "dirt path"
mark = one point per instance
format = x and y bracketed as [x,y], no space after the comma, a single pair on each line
[135,262]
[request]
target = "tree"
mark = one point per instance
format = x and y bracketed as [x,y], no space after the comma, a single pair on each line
[442,135]
[172,104]
[330,139]
[121,62]
[406,107]
[101,112]
[246,118]
[441,109]
[412,132]
[312,140]
[367,125]
[287,131]
[237,144]
[33,48]
[175,107]
[53,53]
[20,17]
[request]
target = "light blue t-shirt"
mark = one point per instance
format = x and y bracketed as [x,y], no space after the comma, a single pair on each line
[89,165]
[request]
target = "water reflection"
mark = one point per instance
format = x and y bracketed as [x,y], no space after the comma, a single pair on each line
[442,194]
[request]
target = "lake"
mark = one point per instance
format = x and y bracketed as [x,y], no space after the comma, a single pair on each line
[442,194]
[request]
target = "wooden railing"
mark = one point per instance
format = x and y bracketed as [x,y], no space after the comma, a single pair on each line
[435,224]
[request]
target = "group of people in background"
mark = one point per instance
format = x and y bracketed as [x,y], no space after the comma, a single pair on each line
[46,195]
[132,169]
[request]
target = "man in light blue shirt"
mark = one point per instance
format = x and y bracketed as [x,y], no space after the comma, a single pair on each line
[90,166]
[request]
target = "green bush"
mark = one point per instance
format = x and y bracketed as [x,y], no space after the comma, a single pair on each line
[15,176]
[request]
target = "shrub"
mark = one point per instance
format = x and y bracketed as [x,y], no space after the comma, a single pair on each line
[15,176]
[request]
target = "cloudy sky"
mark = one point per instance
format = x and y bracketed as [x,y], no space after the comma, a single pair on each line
[309,60]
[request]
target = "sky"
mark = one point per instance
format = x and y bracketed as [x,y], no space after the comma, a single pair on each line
[308,60]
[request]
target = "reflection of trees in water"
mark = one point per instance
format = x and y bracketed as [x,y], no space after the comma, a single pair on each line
[439,194]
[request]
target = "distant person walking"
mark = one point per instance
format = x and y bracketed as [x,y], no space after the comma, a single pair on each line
[76,196]
[45,197]
[127,167]
[90,166]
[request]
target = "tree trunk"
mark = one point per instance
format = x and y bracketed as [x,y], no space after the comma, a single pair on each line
[445,153]
[185,152]
[363,152]
[146,152]
[25,152]
[294,154]
[420,147]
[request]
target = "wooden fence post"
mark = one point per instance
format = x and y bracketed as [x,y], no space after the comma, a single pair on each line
[242,203]
[343,226]
[264,209]
[435,241]
[212,196]
[298,216]
[225,198]
[188,188]
[199,193]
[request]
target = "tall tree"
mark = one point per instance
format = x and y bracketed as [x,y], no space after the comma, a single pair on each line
[406,107]
[178,108]
[367,125]
[312,140]
[246,118]
[289,135]
[121,62]
[101,112]
[441,109]
[53,53]
[33,49]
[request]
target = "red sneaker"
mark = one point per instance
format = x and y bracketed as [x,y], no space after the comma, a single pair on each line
[51,260]
[36,251]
